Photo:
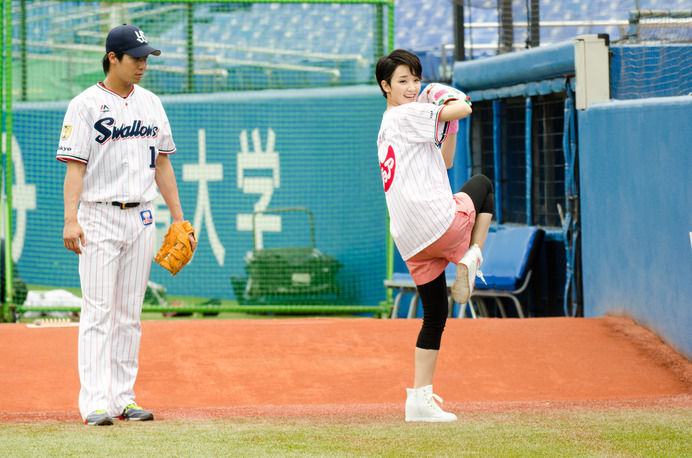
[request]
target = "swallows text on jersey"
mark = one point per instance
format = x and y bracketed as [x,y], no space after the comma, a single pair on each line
[109,131]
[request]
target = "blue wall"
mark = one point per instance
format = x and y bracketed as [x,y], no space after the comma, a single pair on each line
[636,207]
[326,140]
[635,170]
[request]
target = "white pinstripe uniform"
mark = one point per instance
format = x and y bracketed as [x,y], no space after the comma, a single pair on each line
[119,140]
[419,196]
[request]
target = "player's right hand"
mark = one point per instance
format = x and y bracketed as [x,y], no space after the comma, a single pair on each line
[73,237]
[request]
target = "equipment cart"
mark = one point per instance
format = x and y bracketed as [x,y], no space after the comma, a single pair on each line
[287,274]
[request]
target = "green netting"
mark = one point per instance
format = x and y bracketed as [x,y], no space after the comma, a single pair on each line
[274,113]
[206,47]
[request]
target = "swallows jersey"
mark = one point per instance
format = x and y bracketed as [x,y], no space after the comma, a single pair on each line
[119,140]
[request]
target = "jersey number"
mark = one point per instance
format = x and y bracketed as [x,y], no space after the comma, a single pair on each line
[152,164]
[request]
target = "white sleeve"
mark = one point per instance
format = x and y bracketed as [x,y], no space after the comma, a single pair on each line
[165,143]
[420,122]
[75,134]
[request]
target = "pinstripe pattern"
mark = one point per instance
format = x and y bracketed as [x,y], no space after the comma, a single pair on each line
[117,169]
[114,270]
[119,140]
[419,197]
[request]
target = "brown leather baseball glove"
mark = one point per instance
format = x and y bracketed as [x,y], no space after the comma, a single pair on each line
[176,250]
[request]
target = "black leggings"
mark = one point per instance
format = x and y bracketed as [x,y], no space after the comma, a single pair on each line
[433,295]
[481,191]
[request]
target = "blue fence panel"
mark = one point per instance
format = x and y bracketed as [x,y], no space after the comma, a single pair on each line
[326,144]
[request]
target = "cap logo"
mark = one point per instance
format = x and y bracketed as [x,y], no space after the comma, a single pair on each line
[140,36]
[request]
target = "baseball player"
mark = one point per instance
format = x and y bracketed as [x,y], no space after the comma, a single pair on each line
[430,225]
[116,141]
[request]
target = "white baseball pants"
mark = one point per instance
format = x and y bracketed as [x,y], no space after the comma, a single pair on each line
[114,270]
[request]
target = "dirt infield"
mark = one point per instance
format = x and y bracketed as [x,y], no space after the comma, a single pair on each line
[360,366]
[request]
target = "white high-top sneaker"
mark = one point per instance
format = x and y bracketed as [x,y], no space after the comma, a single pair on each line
[421,406]
[467,269]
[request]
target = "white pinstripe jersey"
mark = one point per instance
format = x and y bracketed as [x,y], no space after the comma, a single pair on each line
[119,140]
[419,196]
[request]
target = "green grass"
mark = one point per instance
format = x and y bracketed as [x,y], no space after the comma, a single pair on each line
[659,433]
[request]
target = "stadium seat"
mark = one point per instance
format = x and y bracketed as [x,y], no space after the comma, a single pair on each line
[509,254]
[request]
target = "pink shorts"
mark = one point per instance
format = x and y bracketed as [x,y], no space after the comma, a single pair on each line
[429,263]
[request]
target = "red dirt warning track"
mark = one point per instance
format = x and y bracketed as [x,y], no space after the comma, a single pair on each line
[360,366]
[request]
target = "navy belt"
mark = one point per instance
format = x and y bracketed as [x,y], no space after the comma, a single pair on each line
[122,205]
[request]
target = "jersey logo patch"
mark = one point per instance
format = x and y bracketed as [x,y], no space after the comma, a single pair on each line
[388,167]
[66,132]
[105,109]
[137,130]
[147,217]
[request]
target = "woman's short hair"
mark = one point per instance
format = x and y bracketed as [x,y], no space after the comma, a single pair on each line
[384,70]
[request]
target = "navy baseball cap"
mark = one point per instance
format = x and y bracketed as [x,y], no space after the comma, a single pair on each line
[130,40]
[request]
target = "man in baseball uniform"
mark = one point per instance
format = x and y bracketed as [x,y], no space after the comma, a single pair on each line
[116,141]
[430,225]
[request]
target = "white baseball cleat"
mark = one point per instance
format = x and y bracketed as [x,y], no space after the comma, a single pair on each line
[467,270]
[421,405]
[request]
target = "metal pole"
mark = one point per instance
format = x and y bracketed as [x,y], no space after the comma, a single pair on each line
[6,57]
[22,48]
[379,32]
[506,41]
[497,158]
[633,30]
[469,149]
[390,26]
[4,310]
[390,241]
[528,146]
[190,48]
[535,28]
[459,47]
